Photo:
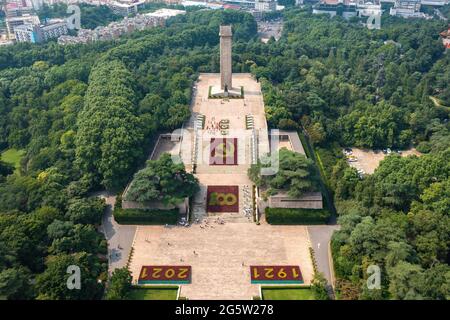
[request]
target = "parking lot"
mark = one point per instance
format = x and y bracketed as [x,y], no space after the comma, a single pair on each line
[366,160]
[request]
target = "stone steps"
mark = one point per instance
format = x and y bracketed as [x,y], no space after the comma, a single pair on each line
[229,217]
[237,169]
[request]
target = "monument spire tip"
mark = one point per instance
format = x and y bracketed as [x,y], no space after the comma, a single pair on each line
[225,31]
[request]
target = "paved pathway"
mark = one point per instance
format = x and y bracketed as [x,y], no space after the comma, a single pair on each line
[119,237]
[320,236]
[220,255]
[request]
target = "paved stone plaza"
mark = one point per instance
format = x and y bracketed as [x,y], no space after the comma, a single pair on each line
[220,250]
[220,254]
[233,110]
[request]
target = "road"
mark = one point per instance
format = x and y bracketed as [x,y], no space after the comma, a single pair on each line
[437,102]
[320,236]
[119,237]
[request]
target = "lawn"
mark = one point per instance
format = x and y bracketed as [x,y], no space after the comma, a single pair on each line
[13,156]
[287,293]
[154,293]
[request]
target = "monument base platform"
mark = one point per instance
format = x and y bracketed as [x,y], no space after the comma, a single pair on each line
[216,92]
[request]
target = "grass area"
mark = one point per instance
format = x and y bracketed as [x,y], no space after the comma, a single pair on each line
[287,293]
[13,156]
[154,293]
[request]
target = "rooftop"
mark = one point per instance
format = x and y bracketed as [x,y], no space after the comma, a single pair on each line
[294,142]
[307,196]
[126,5]
[445,33]
[165,13]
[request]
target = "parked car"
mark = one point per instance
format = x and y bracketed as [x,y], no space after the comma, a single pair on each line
[347,151]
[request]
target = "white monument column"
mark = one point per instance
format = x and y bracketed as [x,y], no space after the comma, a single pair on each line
[225,58]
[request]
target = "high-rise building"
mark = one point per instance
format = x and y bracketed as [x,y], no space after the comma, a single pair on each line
[437,3]
[367,8]
[36,33]
[53,29]
[407,9]
[265,5]
[27,33]
[14,21]
[14,8]
[126,8]
[344,8]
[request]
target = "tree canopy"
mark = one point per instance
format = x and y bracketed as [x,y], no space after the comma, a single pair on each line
[396,218]
[295,175]
[162,180]
[85,115]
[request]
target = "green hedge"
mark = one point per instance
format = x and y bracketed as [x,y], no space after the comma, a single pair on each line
[297,216]
[138,216]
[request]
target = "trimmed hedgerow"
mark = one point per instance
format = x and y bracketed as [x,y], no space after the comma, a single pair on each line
[143,216]
[296,216]
[138,216]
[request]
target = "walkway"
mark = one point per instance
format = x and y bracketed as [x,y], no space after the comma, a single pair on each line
[320,237]
[220,255]
[119,237]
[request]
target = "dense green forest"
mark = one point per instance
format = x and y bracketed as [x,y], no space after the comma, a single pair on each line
[445,10]
[90,16]
[86,114]
[359,87]
[397,219]
[348,86]
[163,180]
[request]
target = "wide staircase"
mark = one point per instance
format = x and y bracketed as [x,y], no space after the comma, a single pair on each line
[222,169]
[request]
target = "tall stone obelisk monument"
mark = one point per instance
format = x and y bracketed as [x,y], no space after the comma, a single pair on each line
[225,58]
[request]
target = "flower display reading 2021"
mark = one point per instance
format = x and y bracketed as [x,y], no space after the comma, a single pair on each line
[165,274]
